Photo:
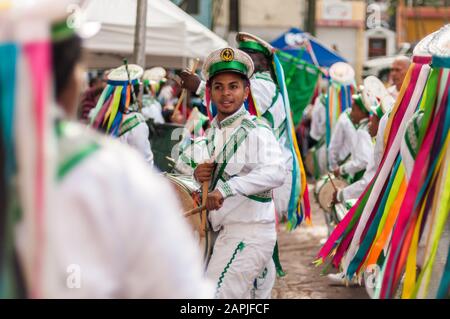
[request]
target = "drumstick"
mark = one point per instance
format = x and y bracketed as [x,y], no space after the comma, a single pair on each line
[194,211]
[331,180]
[184,92]
[205,188]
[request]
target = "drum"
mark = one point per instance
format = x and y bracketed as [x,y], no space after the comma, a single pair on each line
[188,192]
[325,191]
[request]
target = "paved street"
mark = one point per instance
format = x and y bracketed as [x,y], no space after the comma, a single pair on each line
[297,251]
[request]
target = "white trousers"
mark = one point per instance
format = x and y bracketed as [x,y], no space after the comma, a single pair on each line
[241,254]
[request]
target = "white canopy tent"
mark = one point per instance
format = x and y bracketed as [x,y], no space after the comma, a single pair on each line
[172,36]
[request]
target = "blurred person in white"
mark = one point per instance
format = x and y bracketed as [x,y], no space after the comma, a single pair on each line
[112,228]
[117,112]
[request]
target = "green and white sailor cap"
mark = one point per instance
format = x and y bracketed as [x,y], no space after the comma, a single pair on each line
[361,103]
[376,96]
[227,60]
[247,41]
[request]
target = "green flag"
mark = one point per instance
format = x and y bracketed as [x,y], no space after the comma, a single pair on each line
[301,79]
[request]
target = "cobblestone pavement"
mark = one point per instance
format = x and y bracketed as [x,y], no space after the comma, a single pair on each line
[297,251]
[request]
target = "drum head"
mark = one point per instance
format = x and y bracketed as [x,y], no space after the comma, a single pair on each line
[325,196]
[186,191]
[319,185]
[187,201]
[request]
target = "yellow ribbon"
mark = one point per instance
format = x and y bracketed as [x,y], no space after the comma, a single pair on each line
[439,215]
[389,216]
[114,107]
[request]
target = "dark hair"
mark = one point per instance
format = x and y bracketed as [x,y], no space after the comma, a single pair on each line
[66,55]
[260,66]
[243,77]
[94,80]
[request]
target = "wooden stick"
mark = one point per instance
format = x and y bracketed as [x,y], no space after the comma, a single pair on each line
[331,180]
[194,211]
[205,188]
[184,92]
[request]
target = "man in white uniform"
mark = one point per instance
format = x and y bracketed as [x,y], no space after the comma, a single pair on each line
[117,113]
[318,118]
[375,130]
[247,166]
[362,146]
[112,228]
[269,105]
[341,141]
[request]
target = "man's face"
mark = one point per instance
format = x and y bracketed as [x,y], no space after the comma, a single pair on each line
[398,72]
[374,121]
[228,93]
[356,114]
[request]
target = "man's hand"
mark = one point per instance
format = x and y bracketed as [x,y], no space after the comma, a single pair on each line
[337,172]
[335,199]
[203,172]
[189,80]
[214,200]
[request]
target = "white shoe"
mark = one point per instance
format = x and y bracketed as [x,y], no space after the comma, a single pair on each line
[340,279]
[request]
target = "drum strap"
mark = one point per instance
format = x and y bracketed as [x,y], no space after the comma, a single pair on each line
[227,152]
[345,159]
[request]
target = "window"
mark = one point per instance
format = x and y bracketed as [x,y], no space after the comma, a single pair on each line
[377,47]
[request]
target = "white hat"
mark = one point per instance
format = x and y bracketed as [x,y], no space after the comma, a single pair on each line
[155,74]
[440,44]
[247,41]
[121,74]
[342,73]
[227,60]
[422,48]
[376,96]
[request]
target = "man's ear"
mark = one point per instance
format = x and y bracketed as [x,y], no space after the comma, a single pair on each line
[246,92]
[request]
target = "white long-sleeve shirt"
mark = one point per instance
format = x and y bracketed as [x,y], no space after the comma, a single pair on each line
[341,141]
[137,137]
[318,120]
[116,231]
[392,90]
[270,105]
[365,154]
[250,173]
[362,151]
